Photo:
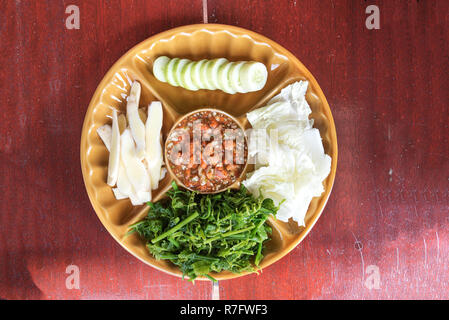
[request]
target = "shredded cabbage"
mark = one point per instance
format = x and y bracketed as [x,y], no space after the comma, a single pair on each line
[288,153]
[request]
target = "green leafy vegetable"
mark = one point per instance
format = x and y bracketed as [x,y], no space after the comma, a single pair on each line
[204,233]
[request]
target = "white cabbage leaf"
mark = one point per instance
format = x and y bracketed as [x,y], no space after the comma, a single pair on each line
[288,152]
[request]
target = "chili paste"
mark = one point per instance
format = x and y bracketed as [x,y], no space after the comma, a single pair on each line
[207,151]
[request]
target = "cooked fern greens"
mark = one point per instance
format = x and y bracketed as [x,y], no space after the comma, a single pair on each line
[203,233]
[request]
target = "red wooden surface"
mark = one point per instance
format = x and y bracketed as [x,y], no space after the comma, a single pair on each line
[388,90]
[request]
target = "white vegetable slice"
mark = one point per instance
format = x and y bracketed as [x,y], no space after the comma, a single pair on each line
[295,164]
[136,125]
[153,128]
[186,77]
[178,71]
[124,188]
[144,196]
[118,194]
[135,200]
[105,133]
[212,71]
[205,79]
[123,184]
[253,76]
[135,169]
[170,72]
[163,173]
[114,154]
[223,78]
[159,66]
[196,73]
[234,76]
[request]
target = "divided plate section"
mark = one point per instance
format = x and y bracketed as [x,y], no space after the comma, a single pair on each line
[323,121]
[205,44]
[117,213]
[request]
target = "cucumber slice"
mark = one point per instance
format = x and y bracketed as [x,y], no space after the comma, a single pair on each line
[196,73]
[204,75]
[159,66]
[253,76]
[186,78]
[223,78]
[170,72]
[212,71]
[178,71]
[234,76]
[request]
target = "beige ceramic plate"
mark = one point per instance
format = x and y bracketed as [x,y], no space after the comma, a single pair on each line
[195,42]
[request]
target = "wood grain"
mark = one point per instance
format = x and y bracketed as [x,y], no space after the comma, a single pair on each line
[388,90]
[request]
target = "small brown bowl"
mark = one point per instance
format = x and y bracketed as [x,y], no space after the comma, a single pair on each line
[236,183]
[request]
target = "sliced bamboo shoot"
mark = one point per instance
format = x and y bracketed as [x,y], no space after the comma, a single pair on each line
[135,169]
[163,173]
[135,200]
[105,133]
[136,125]
[123,184]
[144,196]
[153,128]
[118,194]
[124,188]
[114,154]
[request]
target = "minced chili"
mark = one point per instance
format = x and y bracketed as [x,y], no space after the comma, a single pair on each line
[207,151]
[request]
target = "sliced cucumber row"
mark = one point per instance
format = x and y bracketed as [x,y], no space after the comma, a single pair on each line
[230,77]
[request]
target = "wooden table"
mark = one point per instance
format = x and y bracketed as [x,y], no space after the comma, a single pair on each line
[384,232]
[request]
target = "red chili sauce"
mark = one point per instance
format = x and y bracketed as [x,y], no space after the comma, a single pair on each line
[207,151]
